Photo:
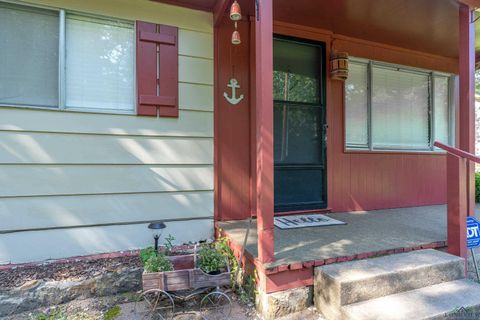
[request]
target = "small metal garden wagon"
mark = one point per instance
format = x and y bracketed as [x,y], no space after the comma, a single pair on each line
[185,282]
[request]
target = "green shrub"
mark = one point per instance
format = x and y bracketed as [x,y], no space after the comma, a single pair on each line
[210,259]
[147,253]
[243,284]
[158,263]
[222,246]
[477,186]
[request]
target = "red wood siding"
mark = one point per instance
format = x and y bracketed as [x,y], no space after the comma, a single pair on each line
[232,123]
[356,181]
[367,181]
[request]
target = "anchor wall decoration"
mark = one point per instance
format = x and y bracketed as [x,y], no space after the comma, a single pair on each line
[234,85]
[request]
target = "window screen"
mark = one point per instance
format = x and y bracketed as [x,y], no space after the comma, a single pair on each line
[297,110]
[298,129]
[296,72]
[297,134]
[356,100]
[28,56]
[99,63]
[400,109]
[441,110]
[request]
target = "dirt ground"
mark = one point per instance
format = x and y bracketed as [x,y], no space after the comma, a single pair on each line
[121,308]
[72,270]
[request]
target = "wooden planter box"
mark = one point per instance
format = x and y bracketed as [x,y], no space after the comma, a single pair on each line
[185,276]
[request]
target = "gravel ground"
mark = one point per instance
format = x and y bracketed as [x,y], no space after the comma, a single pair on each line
[95,309]
[87,309]
[74,270]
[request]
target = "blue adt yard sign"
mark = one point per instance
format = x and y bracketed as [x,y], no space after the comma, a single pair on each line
[473,233]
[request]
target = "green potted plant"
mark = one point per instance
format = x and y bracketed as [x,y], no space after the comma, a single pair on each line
[157,263]
[146,253]
[168,269]
[210,259]
[154,261]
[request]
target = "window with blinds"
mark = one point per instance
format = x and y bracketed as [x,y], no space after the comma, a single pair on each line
[400,109]
[396,108]
[29,40]
[99,63]
[78,61]
[356,100]
[442,109]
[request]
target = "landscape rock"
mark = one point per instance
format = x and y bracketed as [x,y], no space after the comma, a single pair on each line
[37,293]
[277,304]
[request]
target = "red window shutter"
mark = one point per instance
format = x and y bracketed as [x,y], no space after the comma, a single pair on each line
[157,70]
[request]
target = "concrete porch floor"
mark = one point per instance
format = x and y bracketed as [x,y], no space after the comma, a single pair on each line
[368,231]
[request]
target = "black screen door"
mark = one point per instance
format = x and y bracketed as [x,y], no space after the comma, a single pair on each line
[299,125]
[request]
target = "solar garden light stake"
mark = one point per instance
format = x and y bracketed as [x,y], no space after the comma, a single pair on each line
[157,228]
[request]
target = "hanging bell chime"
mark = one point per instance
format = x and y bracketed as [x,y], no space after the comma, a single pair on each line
[236,37]
[235,11]
[235,15]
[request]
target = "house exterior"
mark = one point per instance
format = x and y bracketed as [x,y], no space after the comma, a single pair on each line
[82,172]
[135,111]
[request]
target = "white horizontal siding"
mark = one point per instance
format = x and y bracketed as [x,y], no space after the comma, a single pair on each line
[195,70]
[199,97]
[94,177]
[51,148]
[51,180]
[188,123]
[144,10]
[70,211]
[197,44]
[54,244]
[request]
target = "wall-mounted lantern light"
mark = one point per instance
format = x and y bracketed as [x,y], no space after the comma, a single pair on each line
[339,65]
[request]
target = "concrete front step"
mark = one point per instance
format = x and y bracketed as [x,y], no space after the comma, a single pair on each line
[341,284]
[458,299]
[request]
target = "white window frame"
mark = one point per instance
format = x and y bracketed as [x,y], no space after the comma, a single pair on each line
[431,74]
[62,63]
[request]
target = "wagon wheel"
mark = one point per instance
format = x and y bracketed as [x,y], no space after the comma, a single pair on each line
[216,306]
[154,304]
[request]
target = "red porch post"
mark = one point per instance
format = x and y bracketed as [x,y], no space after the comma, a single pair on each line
[460,171]
[466,70]
[264,128]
